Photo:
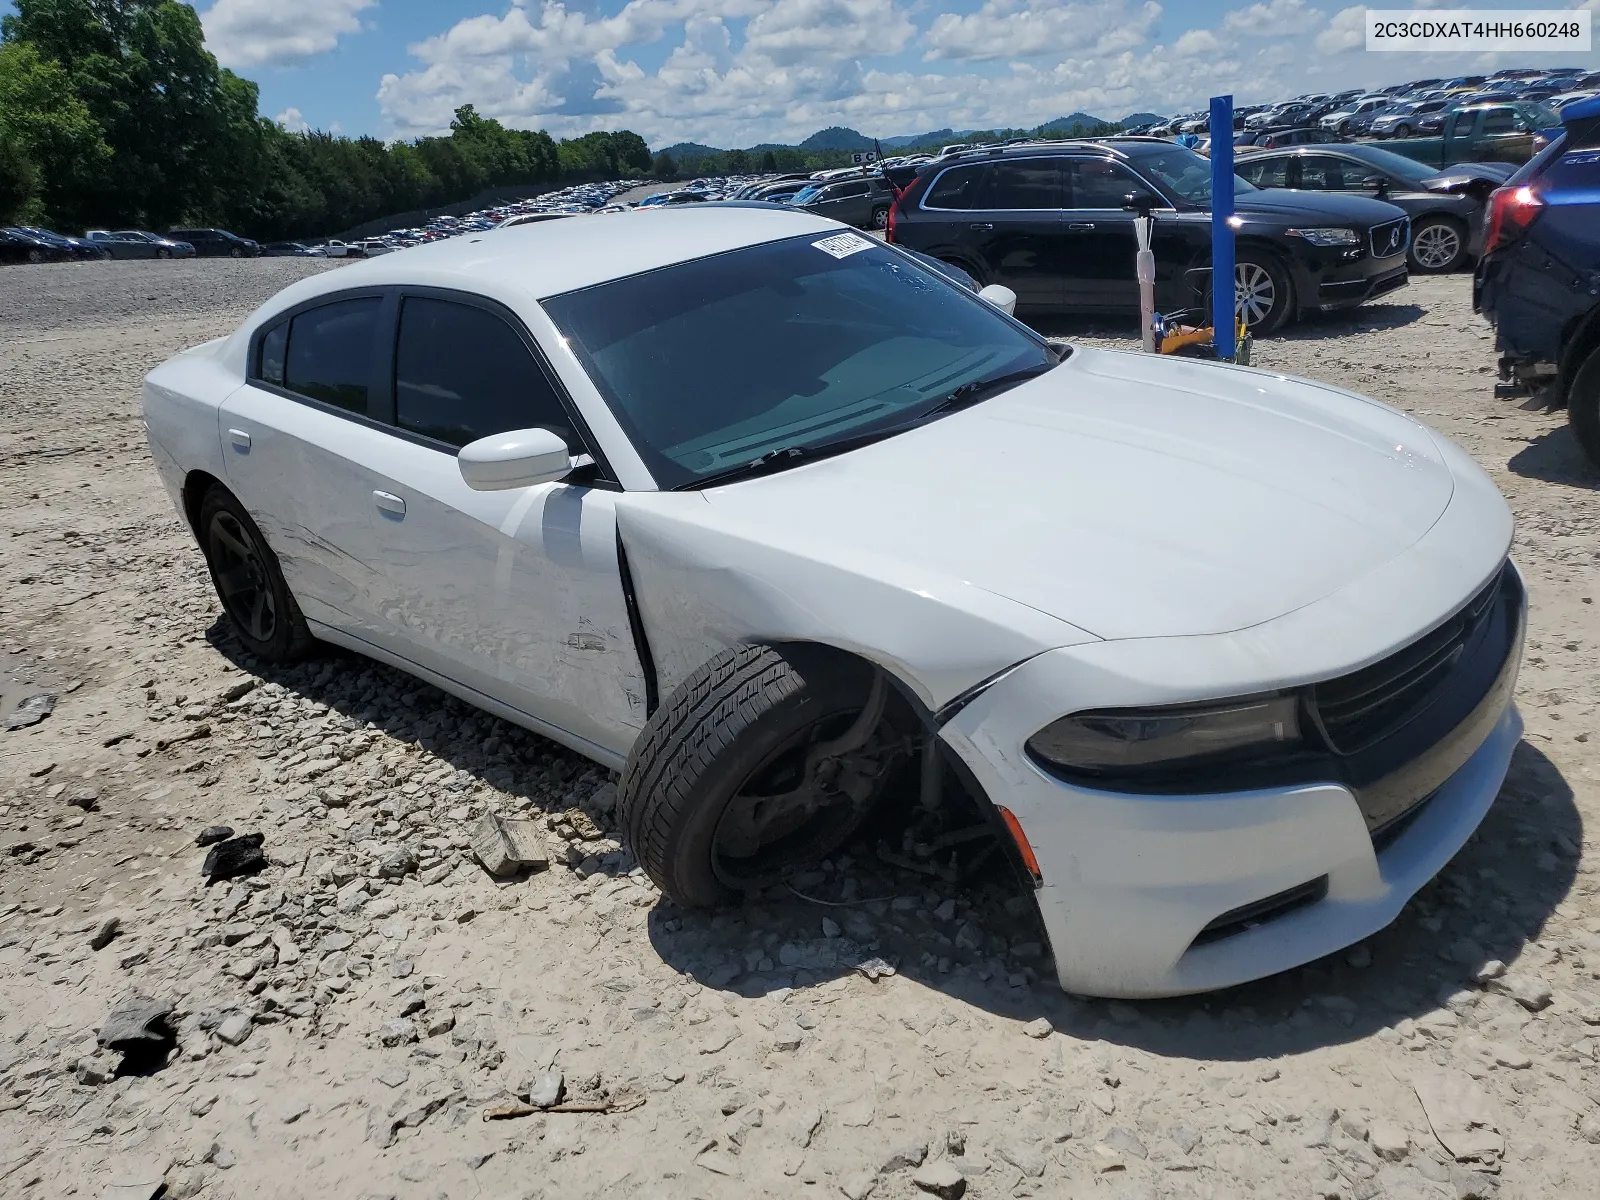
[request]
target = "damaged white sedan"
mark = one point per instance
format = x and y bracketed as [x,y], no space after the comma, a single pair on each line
[785,526]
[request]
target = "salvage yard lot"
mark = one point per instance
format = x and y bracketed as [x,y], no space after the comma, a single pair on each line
[358,1007]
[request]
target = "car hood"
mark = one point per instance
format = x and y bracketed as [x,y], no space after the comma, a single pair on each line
[1454,177]
[1306,207]
[1128,496]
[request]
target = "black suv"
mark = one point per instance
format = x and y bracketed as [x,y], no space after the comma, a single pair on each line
[216,243]
[862,202]
[1051,221]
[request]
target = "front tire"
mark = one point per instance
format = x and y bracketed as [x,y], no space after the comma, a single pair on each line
[1438,246]
[737,777]
[235,253]
[880,217]
[1262,291]
[249,582]
[1402,130]
[1583,407]
[163,252]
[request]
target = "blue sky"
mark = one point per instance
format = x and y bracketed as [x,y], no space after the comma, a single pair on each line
[738,72]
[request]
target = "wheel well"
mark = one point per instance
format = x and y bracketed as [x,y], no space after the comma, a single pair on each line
[908,710]
[1581,343]
[195,486]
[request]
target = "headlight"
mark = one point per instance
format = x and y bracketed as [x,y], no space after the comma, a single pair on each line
[1328,235]
[1115,741]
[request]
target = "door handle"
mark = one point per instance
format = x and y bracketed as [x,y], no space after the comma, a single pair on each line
[390,503]
[240,440]
[1079,226]
[981,226]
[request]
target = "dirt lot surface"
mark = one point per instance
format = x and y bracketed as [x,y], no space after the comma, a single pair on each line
[347,1019]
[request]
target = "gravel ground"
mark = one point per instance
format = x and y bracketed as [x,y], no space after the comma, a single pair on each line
[362,1006]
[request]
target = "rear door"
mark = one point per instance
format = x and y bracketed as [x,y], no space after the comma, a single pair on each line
[845,202]
[295,442]
[518,593]
[1100,245]
[1016,230]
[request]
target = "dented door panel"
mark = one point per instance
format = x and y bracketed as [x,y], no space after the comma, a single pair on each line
[515,593]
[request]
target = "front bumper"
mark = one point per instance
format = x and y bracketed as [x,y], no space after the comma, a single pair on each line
[1159,895]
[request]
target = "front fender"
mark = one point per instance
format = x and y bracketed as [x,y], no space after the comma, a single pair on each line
[701,588]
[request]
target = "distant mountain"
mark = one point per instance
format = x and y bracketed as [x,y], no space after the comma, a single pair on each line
[689,150]
[1078,120]
[836,137]
[1132,119]
[839,137]
[907,139]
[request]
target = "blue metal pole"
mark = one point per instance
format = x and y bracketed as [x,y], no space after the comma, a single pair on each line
[1223,320]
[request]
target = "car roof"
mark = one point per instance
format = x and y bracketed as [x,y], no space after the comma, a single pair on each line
[549,258]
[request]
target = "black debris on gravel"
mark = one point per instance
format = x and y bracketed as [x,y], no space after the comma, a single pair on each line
[233,857]
[213,833]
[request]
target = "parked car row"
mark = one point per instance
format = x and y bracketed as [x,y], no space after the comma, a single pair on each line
[27,244]
[1054,222]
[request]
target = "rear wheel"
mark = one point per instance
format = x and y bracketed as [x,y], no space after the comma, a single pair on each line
[763,760]
[1262,292]
[1583,407]
[249,582]
[1438,245]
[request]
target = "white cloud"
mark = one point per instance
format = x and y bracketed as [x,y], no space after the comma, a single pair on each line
[1196,41]
[742,72]
[249,33]
[810,31]
[1346,31]
[1015,29]
[293,120]
[1276,19]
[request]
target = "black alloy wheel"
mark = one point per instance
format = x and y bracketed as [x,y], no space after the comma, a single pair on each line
[249,582]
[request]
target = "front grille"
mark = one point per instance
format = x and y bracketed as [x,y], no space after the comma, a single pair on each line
[1357,710]
[1390,238]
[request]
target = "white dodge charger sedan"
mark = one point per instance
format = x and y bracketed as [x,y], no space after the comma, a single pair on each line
[784,525]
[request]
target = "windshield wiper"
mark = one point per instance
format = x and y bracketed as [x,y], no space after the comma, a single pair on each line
[785,457]
[982,389]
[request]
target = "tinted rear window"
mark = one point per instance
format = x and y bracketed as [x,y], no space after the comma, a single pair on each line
[955,188]
[1024,183]
[330,353]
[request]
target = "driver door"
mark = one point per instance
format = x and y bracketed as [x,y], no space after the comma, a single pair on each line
[516,594]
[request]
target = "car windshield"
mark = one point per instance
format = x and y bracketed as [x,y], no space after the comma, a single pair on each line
[1186,173]
[712,363]
[804,194]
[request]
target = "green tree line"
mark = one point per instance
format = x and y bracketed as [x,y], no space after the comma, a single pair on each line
[113,114]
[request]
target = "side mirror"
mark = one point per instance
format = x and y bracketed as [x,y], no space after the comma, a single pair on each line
[1377,185]
[1141,202]
[520,458]
[1001,297]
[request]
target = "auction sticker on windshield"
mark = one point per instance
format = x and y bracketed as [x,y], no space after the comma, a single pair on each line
[843,245]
